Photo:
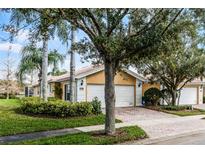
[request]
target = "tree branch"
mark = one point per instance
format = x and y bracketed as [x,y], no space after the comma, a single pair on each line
[117,21]
[94,21]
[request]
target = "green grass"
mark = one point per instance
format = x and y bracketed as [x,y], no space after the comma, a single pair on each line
[9,104]
[181,113]
[93,138]
[186,113]
[12,123]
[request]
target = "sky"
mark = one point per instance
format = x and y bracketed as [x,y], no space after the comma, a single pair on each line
[22,39]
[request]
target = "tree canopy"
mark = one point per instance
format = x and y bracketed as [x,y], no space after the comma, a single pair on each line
[180,58]
[114,37]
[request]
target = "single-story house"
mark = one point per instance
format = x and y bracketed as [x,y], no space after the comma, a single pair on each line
[129,87]
[89,83]
[191,94]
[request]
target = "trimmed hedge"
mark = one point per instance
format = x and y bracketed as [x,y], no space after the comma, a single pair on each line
[57,108]
[176,108]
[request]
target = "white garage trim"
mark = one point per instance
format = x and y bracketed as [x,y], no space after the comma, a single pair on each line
[189,95]
[124,94]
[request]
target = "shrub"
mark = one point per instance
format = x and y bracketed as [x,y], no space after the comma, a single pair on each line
[2,96]
[166,95]
[96,103]
[31,99]
[52,99]
[11,96]
[152,96]
[56,108]
[58,92]
[176,108]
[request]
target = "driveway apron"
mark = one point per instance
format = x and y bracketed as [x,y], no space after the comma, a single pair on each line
[157,124]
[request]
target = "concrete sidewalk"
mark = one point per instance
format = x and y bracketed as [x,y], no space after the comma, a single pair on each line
[37,135]
[158,128]
[59,132]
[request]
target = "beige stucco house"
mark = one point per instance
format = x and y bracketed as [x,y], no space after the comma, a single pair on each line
[129,87]
[89,83]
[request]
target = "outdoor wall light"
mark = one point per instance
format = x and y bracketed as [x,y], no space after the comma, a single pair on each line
[139,84]
[81,83]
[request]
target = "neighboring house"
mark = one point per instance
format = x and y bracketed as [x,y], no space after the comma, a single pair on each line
[28,90]
[129,87]
[192,93]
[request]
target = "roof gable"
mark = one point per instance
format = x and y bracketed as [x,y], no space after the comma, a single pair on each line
[86,71]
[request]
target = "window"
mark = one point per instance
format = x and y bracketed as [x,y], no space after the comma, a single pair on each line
[66,93]
[50,88]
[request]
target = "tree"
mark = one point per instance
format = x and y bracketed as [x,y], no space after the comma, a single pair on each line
[7,89]
[182,62]
[8,74]
[72,64]
[42,28]
[31,60]
[54,57]
[114,36]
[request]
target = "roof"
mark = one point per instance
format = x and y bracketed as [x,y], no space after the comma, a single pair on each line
[197,81]
[86,71]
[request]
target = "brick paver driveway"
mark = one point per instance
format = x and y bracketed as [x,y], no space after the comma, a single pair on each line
[159,124]
[140,113]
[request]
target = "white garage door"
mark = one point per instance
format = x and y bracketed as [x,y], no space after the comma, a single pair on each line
[188,96]
[124,94]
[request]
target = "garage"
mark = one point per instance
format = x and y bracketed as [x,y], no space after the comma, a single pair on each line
[124,94]
[188,96]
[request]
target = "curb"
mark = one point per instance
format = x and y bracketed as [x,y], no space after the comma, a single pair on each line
[150,141]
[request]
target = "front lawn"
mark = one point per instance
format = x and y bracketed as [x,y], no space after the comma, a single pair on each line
[179,113]
[12,123]
[93,138]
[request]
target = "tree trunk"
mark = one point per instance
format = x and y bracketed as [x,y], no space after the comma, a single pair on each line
[72,66]
[179,97]
[174,97]
[40,83]
[7,93]
[40,89]
[45,67]
[109,98]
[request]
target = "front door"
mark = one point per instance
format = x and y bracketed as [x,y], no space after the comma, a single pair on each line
[66,93]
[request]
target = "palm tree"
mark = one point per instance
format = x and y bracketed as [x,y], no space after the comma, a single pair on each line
[43,27]
[53,59]
[72,65]
[32,59]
